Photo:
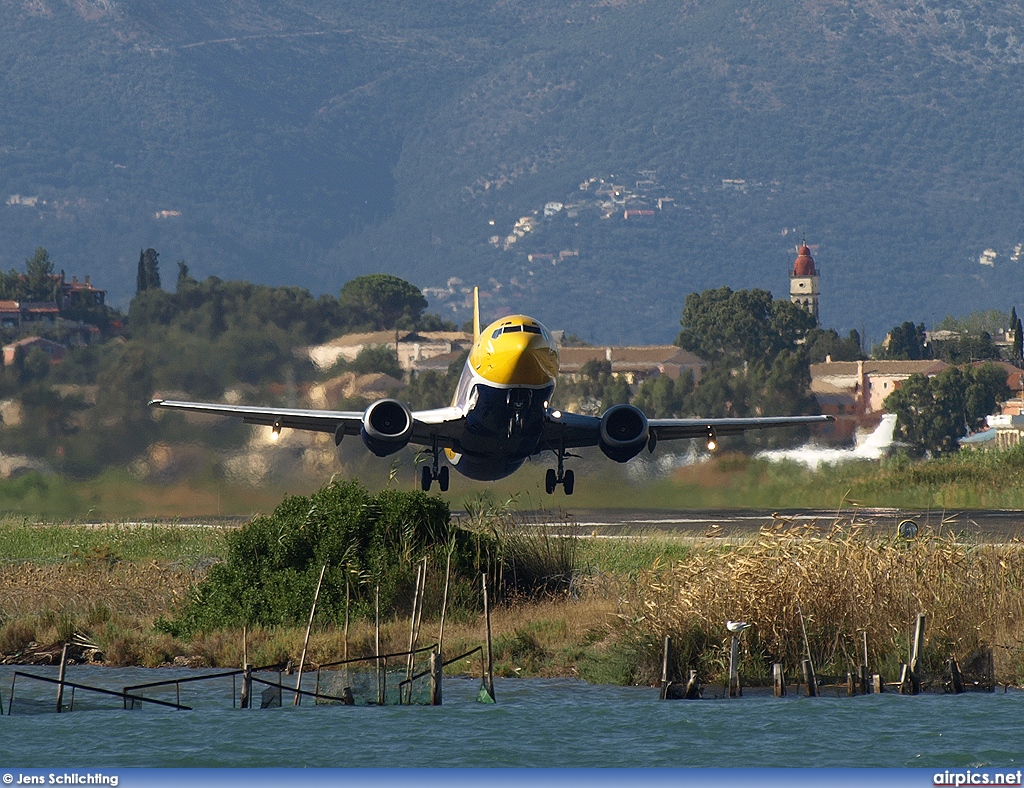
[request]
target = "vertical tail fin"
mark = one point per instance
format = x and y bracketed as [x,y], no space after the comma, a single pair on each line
[476,312]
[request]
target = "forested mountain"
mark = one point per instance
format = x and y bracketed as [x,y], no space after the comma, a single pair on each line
[306,142]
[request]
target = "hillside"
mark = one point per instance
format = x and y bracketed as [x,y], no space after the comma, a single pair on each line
[307,142]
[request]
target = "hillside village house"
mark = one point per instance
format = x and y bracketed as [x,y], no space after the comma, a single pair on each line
[634,364]
[412,347]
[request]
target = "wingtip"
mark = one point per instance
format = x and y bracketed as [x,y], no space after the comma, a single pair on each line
[155,402]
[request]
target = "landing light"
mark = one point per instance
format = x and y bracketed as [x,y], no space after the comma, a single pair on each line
[275,433]
[712,445]
[556,414]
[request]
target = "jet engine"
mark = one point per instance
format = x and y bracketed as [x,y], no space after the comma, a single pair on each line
[387,427]
[624,432]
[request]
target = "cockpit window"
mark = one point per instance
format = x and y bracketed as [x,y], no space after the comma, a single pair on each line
[496,333]
[511,329]
[531,329]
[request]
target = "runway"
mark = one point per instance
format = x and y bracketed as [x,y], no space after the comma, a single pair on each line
[982,525]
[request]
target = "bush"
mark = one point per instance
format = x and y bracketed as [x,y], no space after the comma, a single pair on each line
[366,541]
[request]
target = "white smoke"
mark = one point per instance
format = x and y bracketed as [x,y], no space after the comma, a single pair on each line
[872,446]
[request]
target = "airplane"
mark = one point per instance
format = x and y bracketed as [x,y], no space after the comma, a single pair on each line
[500,415]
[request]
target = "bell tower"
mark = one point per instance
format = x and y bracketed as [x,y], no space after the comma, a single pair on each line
[803,281]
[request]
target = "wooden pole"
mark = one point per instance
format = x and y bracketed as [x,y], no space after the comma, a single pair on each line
[246,685]
[487,620]
[444,601]
[345,656]
[409,660]
[877,685]
[915,656]
[956,679]
[865,680]
[778,680]
[692,687]
[734,668]
[810,679]
[436,672]
[305,643]
[906,684]
[60,678]
[664,667]
[851,685]
[376,607]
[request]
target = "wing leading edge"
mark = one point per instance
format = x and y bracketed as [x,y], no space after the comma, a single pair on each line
[440,424]
[573,431]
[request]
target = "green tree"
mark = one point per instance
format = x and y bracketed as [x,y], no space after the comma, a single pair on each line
[147,276]
[906,342]
[823,343]
[731,327]
[932,414]
[381,302]
[40,282]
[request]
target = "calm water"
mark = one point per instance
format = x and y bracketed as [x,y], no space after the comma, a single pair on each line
[536,722]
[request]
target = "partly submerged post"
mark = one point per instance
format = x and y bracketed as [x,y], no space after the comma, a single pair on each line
[851,684]
[956,679]
[309,628]
[489,679]
[376,641]
[692,687]
[436,672]
[246,685]
[915,655]
[778,680]
[60,678]
[734,690]
[664,667]
[810,679]
[877,685]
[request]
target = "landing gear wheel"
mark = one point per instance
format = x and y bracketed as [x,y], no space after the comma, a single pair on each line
[442,479]
[569,482]
[426,477]
[550,481]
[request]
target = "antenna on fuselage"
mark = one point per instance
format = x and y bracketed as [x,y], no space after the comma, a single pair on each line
[476,312]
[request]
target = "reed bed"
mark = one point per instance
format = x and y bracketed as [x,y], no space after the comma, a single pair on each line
[835,586]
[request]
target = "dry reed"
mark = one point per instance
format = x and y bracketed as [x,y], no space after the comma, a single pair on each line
[842,582]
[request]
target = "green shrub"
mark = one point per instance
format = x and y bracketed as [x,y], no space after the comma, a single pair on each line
[366,541]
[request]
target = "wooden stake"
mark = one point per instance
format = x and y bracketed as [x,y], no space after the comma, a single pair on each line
[734,668]
[246,685]
[376,607]
[345,656]
[877,685]
[692,687]
[664,667]
[956,680]
[865,680]
[436,672]
[490,662]
[915,655]
[778,680]
[851,686]
[309,628]
[444,601]
[412,635]
[810,679]
[60,678]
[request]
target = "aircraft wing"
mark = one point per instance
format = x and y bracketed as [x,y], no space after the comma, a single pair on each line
[572,430]
[442,424]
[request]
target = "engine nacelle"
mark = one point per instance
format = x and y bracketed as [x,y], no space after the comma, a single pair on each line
[624,432]
[387,427]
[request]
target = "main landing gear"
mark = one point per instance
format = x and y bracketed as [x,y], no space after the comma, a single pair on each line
[562,477]
[432,472]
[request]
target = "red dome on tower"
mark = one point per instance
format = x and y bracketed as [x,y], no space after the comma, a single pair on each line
[804,263]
